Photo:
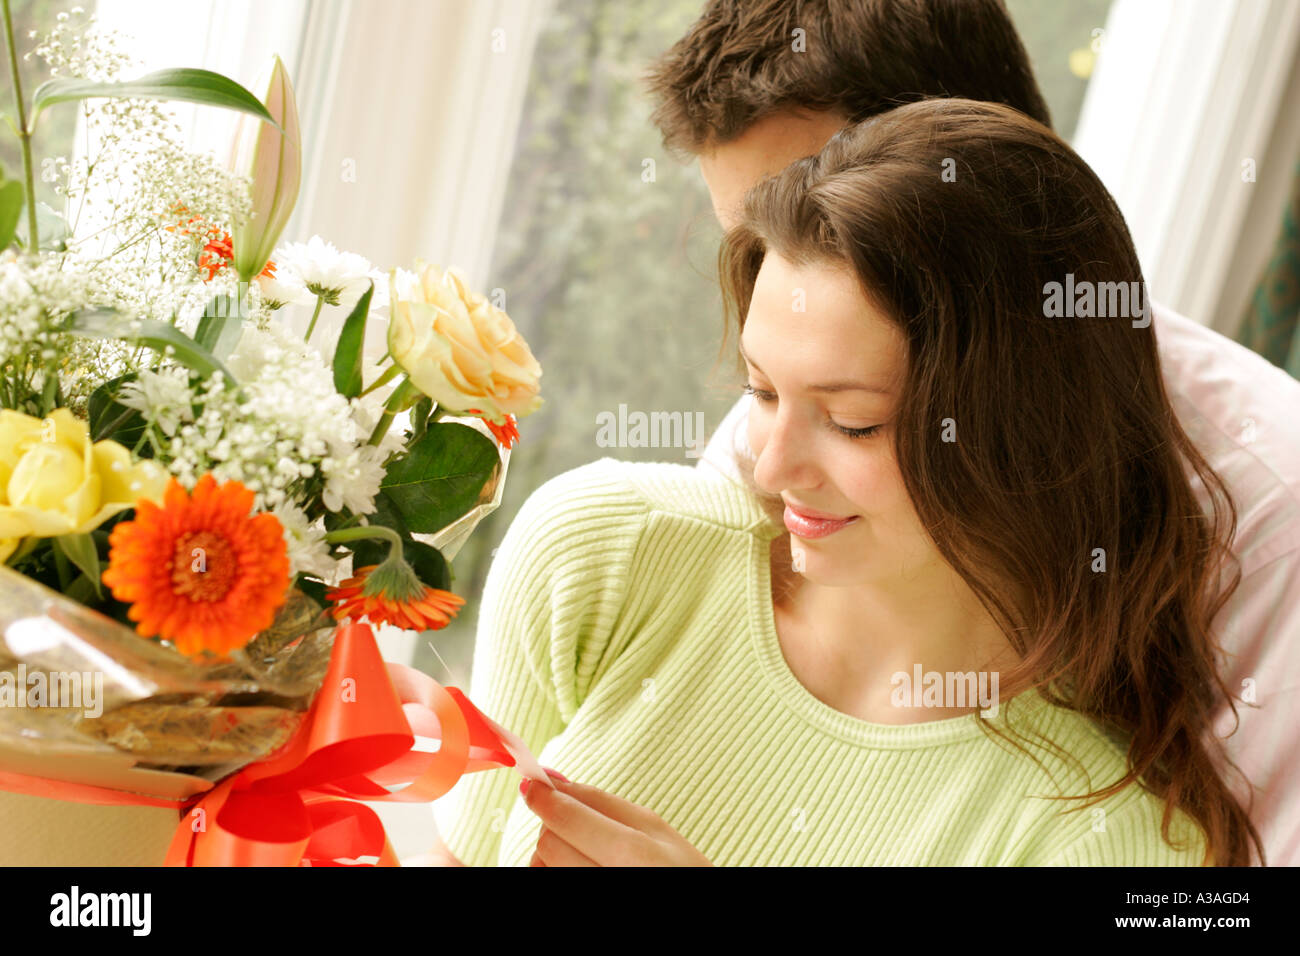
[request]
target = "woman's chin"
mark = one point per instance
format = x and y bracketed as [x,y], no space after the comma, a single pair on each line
[818,569]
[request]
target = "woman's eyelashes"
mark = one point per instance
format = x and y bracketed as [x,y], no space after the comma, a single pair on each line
[870,430]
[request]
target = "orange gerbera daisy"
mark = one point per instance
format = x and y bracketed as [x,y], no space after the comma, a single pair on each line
[200,571]
[507,435]
[400,599]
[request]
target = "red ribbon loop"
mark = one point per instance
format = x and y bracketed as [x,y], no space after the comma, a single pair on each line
[296,808]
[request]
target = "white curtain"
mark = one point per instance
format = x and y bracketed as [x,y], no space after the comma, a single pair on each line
[1190,120]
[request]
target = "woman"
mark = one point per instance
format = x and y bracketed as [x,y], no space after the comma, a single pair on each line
[956,483]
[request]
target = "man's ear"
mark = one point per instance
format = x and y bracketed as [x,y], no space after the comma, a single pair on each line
[716,182]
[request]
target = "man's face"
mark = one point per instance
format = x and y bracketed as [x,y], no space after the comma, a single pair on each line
[767,147]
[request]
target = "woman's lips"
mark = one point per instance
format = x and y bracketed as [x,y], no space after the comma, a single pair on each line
[806,526]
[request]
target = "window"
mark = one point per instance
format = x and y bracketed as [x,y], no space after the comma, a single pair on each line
[1063,40]
[606,252]
[56,131]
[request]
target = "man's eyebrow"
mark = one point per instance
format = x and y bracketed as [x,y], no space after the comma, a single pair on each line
[829,386]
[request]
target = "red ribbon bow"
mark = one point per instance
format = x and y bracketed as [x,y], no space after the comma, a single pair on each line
[296,808]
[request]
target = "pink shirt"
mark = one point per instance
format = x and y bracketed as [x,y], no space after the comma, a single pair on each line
[1243,414]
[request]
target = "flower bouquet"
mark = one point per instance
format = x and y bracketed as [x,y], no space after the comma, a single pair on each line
[202,511]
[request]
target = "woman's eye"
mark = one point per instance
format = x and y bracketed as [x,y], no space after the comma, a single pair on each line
[870,430]
[856,432]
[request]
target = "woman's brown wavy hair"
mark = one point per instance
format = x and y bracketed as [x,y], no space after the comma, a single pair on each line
[955,215]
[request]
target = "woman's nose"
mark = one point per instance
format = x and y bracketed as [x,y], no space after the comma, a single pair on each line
[782,454]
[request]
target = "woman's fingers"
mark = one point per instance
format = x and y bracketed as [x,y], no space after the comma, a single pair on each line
[585,829]
[554,851]
[585,826]
[613,806]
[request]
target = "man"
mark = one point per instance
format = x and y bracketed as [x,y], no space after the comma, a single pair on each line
[756,85]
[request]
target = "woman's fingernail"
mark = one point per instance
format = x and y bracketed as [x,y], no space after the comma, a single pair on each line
[523,787]
[556,774]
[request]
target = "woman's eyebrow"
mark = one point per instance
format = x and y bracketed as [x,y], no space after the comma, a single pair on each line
[829,386]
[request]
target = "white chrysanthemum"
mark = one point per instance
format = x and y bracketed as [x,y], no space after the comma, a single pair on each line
[308,552]
[277,293]
[352,481]
[337,277]
[163,397]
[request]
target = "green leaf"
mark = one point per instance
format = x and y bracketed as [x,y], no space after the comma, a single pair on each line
[111,419]
[403,397]
[105,324]
[347,354]
[313,589]
[83,591]
[11,209]
[420,413]
[221,326]
[387,514]
[62,567]
[387,376]
[51,229]
[440,478]
[80,550]
[428,563]
[186,85]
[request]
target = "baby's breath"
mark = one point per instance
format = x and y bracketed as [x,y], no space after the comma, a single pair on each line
[140,207]
[285,433]
[148,222]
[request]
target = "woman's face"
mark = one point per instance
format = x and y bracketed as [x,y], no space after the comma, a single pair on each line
[809,326]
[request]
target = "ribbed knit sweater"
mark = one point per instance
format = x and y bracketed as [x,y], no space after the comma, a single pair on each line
[626,633]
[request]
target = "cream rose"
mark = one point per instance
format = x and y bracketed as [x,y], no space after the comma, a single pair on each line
[458,348]
[54,481]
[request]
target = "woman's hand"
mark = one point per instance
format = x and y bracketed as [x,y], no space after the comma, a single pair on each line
[584,826]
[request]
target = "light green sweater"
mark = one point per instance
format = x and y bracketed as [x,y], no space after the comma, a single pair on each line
[626,634]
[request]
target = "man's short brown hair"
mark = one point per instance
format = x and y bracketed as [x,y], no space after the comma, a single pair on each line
[742,59]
